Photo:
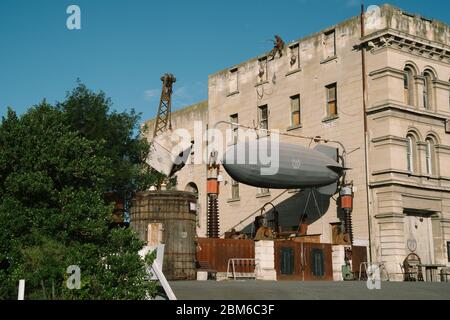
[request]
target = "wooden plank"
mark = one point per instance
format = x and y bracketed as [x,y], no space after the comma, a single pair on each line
[217,252]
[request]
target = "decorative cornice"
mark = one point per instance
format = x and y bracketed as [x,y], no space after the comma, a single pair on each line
[390,38]
[389,139]
[387,71]
[441,84]
[409,174]
[393,182]
[390,215]
[397,107]
[440,148]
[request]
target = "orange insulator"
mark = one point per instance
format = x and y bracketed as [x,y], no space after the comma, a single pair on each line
[347,202]
[212,186]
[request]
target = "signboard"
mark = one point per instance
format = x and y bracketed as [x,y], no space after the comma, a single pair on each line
[447,126]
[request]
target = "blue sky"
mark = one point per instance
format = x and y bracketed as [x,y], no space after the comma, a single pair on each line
[125,46]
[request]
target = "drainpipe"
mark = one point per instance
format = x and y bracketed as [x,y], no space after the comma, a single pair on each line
[366,133]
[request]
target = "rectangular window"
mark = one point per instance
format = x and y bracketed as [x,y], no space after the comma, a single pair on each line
[233,81]
[329,43]
[234,190]
[263,117]
[448,251]
[234,118]
[295,110]
[263,191]
[192,156]
[332,100]
[294,57]
[262,70]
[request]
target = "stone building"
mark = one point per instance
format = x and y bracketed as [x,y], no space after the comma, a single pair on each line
[316,89]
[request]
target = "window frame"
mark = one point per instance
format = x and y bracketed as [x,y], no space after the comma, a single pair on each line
[192,154]
[448,251]
[233,72]
[408,86]
[329,100]
[430,156]
[234,118]
[294,50]
[262,65]
[428,97]
[411,153]
[326,36]
[235,194]
[263,192]
[299,110]
[261,119]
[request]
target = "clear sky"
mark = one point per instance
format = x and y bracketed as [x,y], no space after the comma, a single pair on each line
[125,46]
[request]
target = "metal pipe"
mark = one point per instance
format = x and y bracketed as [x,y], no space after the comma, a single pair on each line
[366,149]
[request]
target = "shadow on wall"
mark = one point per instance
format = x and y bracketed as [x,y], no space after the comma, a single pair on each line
[292,210]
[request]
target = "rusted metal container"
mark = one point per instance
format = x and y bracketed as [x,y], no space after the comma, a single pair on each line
[168,217]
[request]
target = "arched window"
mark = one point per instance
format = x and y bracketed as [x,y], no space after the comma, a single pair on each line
[408,86]
[411,152]
[191,187]
[428,90]
[430,156]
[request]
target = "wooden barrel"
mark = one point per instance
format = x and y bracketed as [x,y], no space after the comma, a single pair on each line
[168,217]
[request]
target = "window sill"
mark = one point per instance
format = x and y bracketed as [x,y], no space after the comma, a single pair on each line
[329,59]
[263,195]
[264,134]
[293,72]
[233,200]
[258,84]
[330,118]
[291,128]
[431,177]
[233,93]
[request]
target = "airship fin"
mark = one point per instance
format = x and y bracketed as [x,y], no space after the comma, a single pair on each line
[330,152]
[329,190]
[338,169]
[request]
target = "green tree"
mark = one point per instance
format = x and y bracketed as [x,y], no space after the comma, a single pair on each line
[56,163]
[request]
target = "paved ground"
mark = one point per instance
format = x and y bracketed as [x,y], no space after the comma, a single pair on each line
[259,290]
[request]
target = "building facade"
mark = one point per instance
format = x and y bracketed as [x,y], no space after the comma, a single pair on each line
[398,147]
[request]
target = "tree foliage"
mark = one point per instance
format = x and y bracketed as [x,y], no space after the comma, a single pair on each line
[56,163]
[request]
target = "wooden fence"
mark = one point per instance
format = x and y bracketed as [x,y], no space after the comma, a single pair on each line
[214,254]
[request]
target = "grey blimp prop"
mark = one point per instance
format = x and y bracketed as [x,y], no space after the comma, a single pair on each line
[264,163]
